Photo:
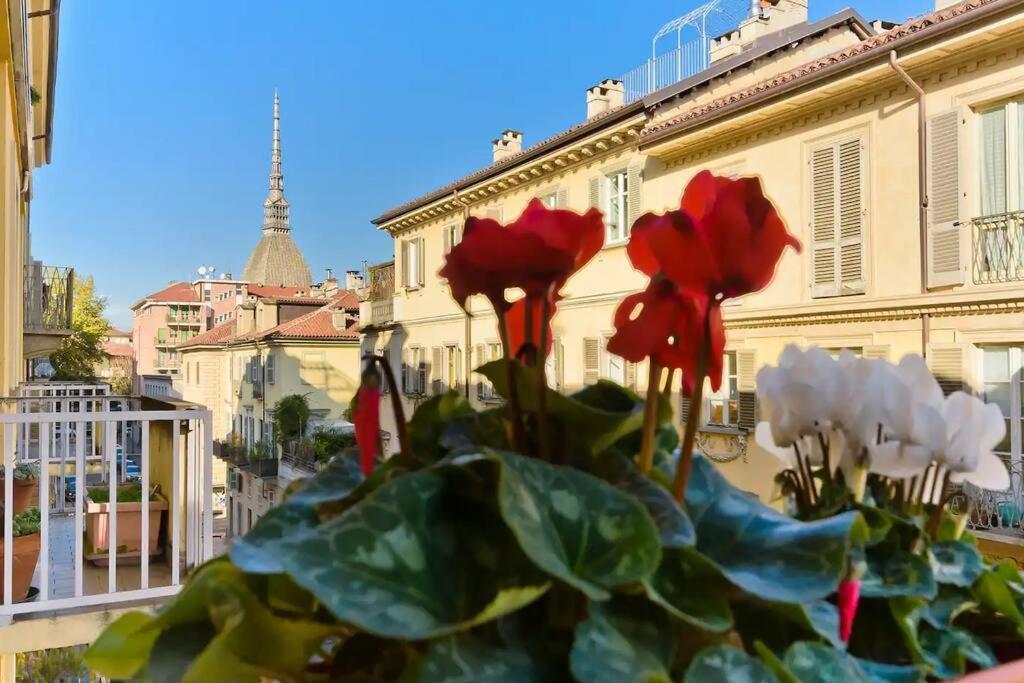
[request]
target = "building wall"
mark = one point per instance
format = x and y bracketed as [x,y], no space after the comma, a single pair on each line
[965,73]
[14,241]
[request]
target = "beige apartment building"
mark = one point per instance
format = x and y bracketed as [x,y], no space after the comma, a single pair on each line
[894,152]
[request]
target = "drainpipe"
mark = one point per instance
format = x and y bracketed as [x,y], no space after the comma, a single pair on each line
[468,332]
[922,184]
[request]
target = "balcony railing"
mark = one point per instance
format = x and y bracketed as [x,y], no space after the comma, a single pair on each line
[382,311]
[998,247]
[995,511]
[168,363]
[92,553]
[182,318]
[49,296]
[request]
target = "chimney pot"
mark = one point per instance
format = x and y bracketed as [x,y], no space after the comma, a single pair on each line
[509,144]
[353,280]
[605,96]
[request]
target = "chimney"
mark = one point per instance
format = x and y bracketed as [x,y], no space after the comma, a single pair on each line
[604,96]
[510,142]
[339,319]
[245,319]
[353,280]
[766,16]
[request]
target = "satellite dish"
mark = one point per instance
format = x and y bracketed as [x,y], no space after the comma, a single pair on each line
[201,270]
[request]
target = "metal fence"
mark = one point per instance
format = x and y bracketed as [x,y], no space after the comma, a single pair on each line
[998,511]
[49,296]
[665,69]
[998,247]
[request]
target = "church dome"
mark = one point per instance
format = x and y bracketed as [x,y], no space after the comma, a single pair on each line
[276,260]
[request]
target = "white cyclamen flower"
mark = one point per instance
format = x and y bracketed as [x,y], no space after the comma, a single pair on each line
[973,429]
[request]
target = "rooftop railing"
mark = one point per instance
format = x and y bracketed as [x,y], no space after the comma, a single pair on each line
[49,297]
[93,553]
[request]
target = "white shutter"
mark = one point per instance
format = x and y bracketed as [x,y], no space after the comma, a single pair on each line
[630,374]
[562,198]
[406,373]
[559,353]
[591,360]
[594,198]
[945,261]
[478,361]
[947,364]
[825,272]
[404,248]
[851,216]
[876,352]
[447,231]
[436,376]
[271,368]
[422,262]
[746,373]
[634,184]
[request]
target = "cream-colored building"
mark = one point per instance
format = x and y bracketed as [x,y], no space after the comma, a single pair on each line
[272,348]
[895,154]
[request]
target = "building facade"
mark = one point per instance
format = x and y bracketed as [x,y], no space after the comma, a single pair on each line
[892,151]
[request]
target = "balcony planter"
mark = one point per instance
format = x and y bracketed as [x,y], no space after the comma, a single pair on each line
[130,509]
[265,467]
[25,554]
[26,486]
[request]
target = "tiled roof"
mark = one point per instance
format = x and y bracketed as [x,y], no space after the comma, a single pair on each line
[880,44]
[347,299]
[279,291]
[318,324]
[117,349]
[217,335]
[176,291]
[116,332]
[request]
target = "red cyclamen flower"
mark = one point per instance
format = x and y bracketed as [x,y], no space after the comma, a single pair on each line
[849,597]
[367,421]
[525,324]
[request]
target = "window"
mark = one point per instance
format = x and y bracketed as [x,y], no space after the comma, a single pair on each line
[271,367]
[837,211]
[414,374]
[617,206]
[1000,239]
[452,236]
[1003,386]
[722,405]
[550,199]
[485,353]
[412,262]
[197,372]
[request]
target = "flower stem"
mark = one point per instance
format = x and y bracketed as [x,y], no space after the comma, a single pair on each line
[936,517]
[542,382]
[515,413]
[804,462]
[961,522]
[650,418]
[404,447]
[685,463]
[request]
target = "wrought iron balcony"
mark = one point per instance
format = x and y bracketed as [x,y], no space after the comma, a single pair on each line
[999,512]
[998,247]
[379,307]
[49,296]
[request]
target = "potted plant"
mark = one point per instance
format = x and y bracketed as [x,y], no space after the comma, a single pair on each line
[25,552]
[26,485]
[261,459]
[130,508]
[572,538]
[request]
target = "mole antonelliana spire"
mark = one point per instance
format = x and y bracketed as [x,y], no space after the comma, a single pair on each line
[276,260]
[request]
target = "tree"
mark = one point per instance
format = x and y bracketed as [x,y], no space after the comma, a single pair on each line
[291,414]
[121,385]
[82,350]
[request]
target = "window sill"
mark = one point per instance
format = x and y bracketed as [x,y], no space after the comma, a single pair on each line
[615,245]
[723,430]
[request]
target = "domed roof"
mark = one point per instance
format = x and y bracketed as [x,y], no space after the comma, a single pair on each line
[276,260]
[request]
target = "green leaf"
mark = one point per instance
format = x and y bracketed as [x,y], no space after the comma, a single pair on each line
[950,602]
[175,651]
[948,651]
[691,588]
[897,573]
[468,659]
[412,561]
[674,526]
[822,663]
[726,664]
[878,672]
[772,661]
[763,551]
[432,420]
[340,477]
[878,521]
[624,641]
[598,416]
[956,562]
[777,624]
[993,591]
[123,647]
[575,526]
[256,553]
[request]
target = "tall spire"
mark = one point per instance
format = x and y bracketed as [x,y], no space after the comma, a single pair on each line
[275,208]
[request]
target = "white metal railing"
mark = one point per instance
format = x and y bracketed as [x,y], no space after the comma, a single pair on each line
[995,511]
[998,247]
[175,451]
[665,69]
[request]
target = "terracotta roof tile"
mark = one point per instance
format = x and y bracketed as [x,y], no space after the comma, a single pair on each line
[117,349]
[318,324]
[218,335]
[874,43]
[279,291]
[176,291]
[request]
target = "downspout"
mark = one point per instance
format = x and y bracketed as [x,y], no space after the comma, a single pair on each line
[468,333]
[922,185]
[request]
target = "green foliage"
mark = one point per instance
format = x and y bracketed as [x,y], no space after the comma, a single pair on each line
[291,415]
[47,666]
[130,492]
[121,385]
[24,523]
[471,562]
[23,471]
[79,353]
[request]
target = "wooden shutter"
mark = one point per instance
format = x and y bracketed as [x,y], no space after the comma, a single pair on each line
[594,198]
[746,373]
[480,360]
[945,261]
[421,374]
[876,352]
[421,257]
[851,216]
[559,355]
[406,373]
[447,231]
[436,383]
[634,183]
[271,368]
[947,364]
[562,198]
[825,275]
[404,248]
[684,407]
[457,380]
[591,360]
[629,372]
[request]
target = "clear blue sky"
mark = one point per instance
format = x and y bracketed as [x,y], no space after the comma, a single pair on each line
[163,118]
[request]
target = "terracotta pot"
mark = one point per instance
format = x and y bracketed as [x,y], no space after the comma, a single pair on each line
[26,494]
[25,556]
[129,529]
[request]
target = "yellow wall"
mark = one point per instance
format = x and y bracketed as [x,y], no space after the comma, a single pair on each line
[774,141]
